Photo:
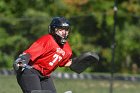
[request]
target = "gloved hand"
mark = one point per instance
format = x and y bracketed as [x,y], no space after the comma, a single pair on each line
[21,63]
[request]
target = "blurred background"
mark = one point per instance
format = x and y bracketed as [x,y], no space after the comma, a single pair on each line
[93,25]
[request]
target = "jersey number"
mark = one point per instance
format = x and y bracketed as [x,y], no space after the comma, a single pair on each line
[55,58]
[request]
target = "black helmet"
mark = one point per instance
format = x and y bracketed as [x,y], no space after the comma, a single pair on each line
[59,22]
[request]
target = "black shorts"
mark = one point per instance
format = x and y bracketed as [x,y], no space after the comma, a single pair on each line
[31,81]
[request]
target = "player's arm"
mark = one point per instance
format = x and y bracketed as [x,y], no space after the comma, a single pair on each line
[68,63]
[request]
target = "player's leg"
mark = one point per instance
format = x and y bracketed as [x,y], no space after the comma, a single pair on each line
[47,84]
[28,81]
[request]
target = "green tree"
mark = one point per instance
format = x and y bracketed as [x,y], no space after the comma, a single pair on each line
[22,22]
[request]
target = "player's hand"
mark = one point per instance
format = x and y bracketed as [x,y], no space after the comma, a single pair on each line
[22,62]
[18,65]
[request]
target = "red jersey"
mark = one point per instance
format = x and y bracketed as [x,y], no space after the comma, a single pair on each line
[47,55]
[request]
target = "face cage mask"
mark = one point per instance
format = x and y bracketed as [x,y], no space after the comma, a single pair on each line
[60,39]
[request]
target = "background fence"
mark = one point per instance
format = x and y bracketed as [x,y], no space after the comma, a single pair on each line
[95,76]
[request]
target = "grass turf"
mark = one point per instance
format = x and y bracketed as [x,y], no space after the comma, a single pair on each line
[8,84]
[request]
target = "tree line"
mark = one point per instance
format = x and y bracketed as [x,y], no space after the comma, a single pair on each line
[22,22]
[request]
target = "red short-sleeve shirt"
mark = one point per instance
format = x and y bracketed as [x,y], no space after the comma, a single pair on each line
[47,55]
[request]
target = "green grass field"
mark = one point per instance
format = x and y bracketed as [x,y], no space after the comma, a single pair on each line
[8,84]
